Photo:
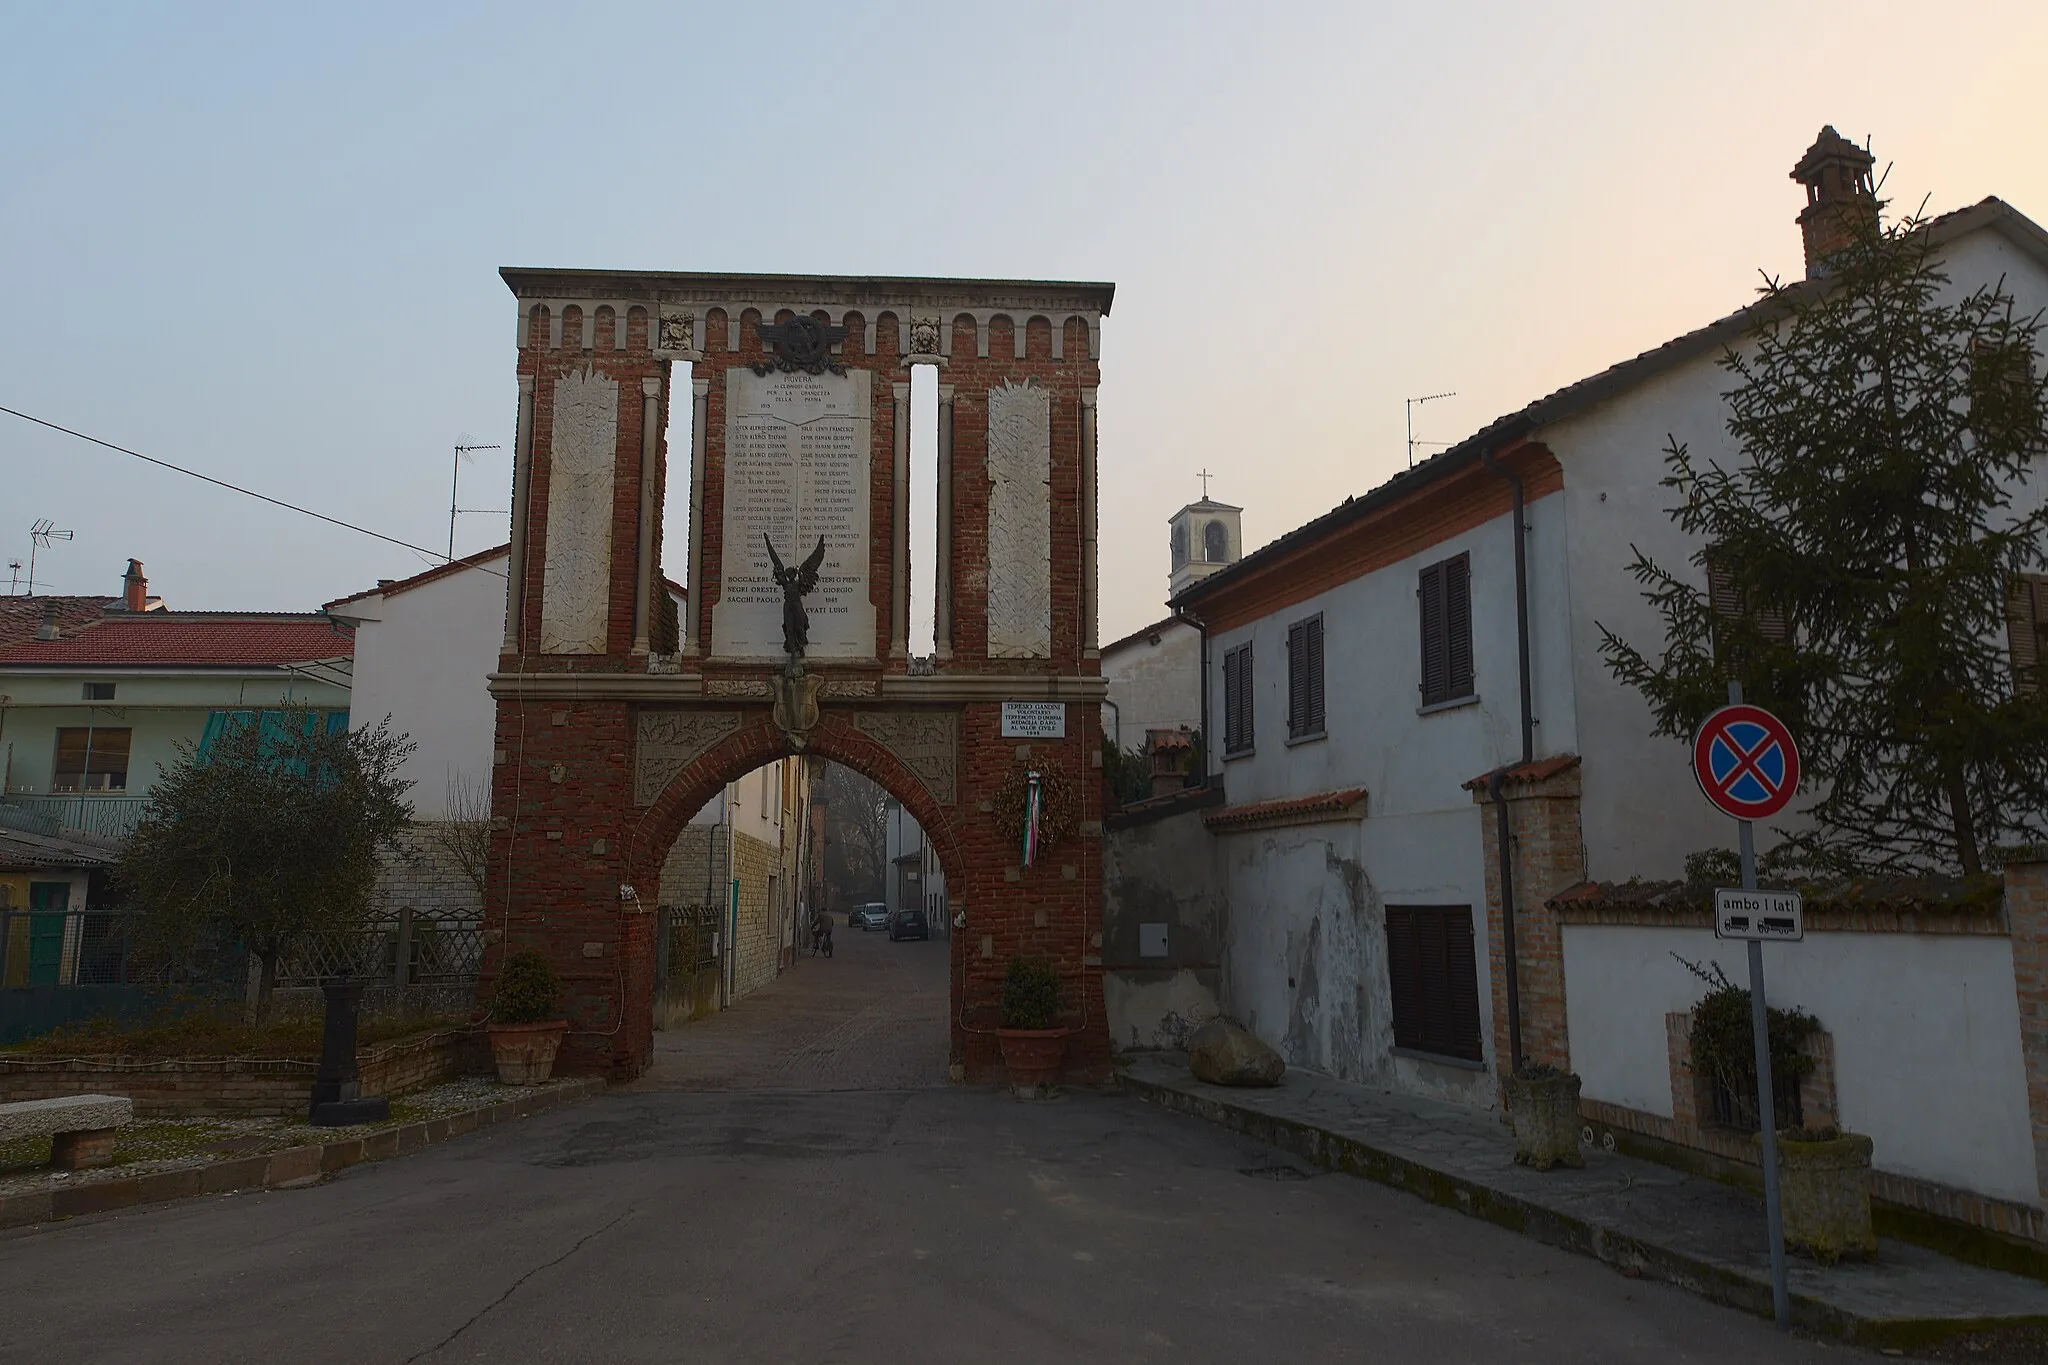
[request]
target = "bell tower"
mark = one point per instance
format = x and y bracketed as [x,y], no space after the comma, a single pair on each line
[1206,537]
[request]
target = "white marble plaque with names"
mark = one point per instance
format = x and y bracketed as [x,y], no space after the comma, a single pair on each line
[576,580]
[798,452]
[1034,720]
[1019,521]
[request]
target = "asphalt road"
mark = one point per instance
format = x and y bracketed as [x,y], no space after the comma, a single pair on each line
[773,1224]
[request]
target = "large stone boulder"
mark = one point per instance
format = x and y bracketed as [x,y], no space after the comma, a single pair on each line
[1223,1053]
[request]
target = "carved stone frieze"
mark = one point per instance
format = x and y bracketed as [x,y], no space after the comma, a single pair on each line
[852,687]
[926,742]
[666,742]
[678,332]
[736,687]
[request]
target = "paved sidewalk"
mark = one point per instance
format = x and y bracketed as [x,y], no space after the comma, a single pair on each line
[1638,1216]
[871,1017]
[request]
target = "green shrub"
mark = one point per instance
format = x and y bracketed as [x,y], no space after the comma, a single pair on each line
[1031,994]
[526,991]
[1724,1046]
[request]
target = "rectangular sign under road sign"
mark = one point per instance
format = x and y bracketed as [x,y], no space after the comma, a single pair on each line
[1764,915]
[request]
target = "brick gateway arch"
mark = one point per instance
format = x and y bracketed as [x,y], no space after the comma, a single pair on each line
[616,722]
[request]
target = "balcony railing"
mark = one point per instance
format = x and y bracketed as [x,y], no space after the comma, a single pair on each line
[107,820]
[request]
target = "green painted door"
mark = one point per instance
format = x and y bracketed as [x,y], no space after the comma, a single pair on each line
[46,931]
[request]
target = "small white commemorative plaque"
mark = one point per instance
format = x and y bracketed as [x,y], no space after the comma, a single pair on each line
[1034,720]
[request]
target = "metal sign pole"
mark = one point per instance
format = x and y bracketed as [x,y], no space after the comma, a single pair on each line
[1767,1112]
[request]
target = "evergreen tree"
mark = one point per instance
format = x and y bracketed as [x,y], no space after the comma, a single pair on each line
[272,835]
[1865,556]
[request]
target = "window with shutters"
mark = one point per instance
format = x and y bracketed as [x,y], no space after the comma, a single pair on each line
[1444,595]
[90,759]
[2026,613]
[1237,701]
[1725,600]
[1305,679]
[1433,976]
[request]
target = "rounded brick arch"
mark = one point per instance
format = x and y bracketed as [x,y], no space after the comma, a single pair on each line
[759,742]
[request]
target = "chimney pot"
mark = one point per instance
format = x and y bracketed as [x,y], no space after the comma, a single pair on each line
[1841,202]
[134,587]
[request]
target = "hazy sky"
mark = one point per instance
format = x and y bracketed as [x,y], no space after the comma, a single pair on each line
[264,240]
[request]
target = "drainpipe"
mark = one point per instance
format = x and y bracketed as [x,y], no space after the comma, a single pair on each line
[1496,780]
[1208,738]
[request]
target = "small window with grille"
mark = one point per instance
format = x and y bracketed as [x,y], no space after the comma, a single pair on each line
[99,691]
[1444,595]
[1433,976]
[1305,678]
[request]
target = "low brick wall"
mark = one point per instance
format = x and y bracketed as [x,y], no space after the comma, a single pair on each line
[240,1085]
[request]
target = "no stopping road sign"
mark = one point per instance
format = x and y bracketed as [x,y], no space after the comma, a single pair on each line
[1746,762]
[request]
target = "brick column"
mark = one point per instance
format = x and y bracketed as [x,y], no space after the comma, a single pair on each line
[2026,909]
[942,570]
[899,529]
[650,504]
[700,418]
[1548,854]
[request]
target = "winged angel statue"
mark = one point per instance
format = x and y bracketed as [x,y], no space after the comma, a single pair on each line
[795,583]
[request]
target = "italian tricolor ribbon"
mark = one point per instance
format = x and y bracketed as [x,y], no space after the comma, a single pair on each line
[1031,806]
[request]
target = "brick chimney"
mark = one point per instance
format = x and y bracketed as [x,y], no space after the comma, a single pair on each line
[1840,199]
[48,629]
[134,587]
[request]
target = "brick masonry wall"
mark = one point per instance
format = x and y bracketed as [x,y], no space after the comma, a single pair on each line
[2026,908]
[754,936]
[567,836]
[1548,854]
[251,1086]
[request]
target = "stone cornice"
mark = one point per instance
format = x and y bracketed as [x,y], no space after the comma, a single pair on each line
[845,291]
[893,688]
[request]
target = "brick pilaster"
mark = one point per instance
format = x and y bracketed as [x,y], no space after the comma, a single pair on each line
[1548,854]
[2026,906]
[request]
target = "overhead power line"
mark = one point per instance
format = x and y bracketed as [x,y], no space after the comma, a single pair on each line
[237,488]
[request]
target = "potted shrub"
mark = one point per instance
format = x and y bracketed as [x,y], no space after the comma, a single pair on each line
[1544,1105]
[1032,1039]
[525,1026]
[1824,1193]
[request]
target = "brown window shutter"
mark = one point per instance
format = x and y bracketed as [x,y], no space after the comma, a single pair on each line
[2025,600]
[1297,680]
[1314,649]
[1461,986]
[1430,601]
[1404,977]
[1458,625]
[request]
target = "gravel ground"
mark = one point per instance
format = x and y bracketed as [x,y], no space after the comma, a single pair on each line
[172,1144]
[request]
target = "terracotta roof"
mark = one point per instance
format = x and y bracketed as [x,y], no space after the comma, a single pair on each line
[191,640]
[23,852]
[1586,393]
[392,589]
[1534,771]
[1157,627]
[1288,810]
[22,617]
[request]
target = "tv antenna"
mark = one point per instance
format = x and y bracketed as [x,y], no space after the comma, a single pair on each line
[1413,403]
[39,537]
[454,480]
[14,570]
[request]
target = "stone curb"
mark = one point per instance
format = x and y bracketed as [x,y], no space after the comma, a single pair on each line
[1630,1255]
[292,1168]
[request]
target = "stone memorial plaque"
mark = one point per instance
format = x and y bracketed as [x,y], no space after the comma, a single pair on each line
[797,457]
[576,578]
[1019,521]
[1034,720]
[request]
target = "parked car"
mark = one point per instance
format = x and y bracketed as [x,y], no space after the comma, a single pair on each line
[909,923]
[873,915]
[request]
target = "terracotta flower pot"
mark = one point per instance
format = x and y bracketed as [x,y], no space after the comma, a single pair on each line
[1545,1110]
[525,1053]
[1032,1056]
[1824,1193]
